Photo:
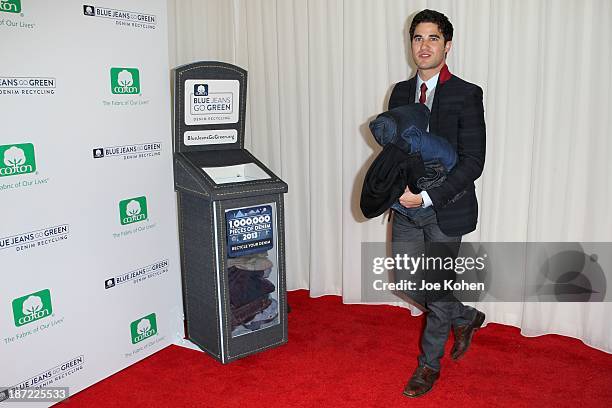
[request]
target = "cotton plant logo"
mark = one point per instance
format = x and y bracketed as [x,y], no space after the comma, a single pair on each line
[125,81]
[17,159]
[32,307]
[133,210]
[10,6]
[143,328]
[200,90]
[88,10]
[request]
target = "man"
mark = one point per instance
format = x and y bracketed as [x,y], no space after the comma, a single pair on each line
[445,212]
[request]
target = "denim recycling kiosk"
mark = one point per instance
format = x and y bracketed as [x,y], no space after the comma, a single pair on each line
[231,218]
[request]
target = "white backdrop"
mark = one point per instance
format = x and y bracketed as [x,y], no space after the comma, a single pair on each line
[102,290]
[319,70]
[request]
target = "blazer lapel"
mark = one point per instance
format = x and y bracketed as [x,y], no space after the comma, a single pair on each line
[434,118]
[412,88]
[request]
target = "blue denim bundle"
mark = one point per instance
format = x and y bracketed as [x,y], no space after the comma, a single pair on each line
[405,127]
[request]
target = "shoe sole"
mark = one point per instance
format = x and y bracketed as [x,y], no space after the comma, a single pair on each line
[480,318]
[417,396]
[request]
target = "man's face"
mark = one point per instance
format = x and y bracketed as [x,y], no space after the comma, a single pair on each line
[428,47]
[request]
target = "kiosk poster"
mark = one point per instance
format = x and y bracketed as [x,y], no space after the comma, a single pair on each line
[212,101]
[252,268]
[249,230]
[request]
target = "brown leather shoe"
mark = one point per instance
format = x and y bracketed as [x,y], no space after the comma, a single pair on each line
[421,382]
[464,334]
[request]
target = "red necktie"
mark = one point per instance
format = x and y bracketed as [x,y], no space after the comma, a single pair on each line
[423,96]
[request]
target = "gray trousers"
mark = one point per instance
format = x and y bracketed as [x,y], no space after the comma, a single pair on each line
[413,236]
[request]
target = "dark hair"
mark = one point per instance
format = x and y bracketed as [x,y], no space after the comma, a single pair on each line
[432,16]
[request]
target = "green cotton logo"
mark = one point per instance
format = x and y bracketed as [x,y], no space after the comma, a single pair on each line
[143,328]
[32,307]
[125,81]
[10,6]
[17,159]
[133,210]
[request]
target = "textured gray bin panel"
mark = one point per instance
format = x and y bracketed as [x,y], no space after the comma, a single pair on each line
[199,273]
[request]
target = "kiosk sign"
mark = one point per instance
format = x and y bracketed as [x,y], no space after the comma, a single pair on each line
[249,230]
[211,102]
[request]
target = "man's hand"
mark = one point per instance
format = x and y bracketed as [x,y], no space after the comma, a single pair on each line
[410,200]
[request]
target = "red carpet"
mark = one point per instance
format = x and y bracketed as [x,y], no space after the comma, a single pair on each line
[361,356]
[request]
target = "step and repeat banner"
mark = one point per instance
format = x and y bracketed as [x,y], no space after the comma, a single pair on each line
[88,231]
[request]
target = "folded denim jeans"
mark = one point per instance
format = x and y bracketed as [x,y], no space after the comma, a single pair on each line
[430,146]
[246,286]
[389,174]
[389,125]
[435,175]
[265,316]
[250,262]
[405,126]
[247,312]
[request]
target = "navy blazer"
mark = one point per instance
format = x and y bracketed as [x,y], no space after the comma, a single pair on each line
[457,114]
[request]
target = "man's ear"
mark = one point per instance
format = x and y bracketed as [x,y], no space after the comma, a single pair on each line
[447,46]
